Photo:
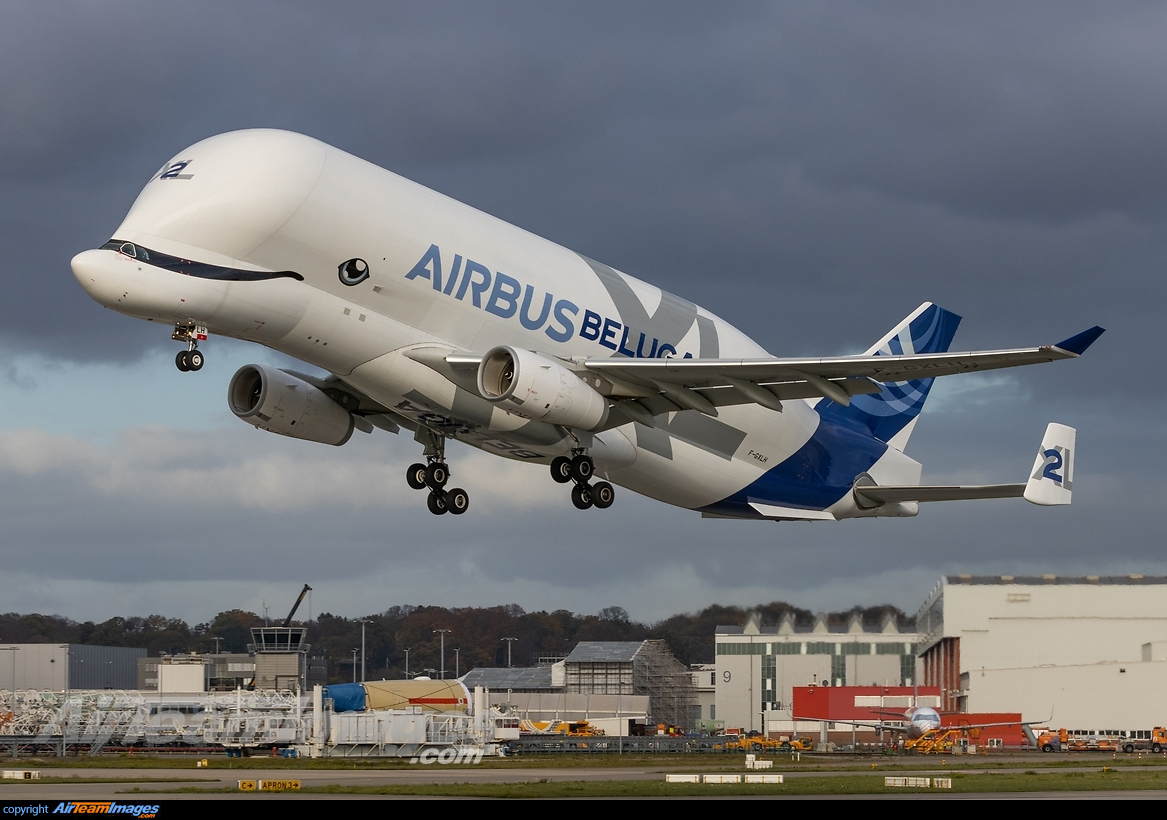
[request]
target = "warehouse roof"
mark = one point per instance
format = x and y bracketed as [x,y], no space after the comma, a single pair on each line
[1057,580]
[604,652]
[497,678]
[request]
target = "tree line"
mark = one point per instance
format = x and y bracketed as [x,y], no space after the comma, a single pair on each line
[475,635]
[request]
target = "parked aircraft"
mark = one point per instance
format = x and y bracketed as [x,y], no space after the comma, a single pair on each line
[434,317]
[916,722]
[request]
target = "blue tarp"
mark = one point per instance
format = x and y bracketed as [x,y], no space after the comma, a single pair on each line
[346,697]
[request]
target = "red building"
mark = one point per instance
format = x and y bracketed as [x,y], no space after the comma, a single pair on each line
[890,704]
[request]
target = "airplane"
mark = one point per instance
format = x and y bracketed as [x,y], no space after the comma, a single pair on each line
[918,721]
[432,316]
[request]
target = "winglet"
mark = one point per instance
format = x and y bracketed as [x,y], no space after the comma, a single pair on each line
[1052,478]
[1078,344]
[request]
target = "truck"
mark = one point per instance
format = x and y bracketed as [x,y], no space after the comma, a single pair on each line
[1062,740]
[1156,743]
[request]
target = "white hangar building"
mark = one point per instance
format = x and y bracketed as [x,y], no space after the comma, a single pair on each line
[758,666]
[1090,650]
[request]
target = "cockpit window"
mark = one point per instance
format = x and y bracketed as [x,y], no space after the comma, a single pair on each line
[128,248]
[188,267]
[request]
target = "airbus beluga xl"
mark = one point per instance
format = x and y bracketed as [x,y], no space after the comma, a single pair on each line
[437,318]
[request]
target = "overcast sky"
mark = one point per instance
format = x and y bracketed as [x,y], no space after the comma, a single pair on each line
[809,171]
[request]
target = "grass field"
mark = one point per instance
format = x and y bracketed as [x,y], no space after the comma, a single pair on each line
[1014,782]
[688,762]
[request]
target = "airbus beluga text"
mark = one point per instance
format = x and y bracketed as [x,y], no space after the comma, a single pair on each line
[432,316]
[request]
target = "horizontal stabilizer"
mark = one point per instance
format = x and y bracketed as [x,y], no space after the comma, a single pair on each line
[1049,483]
[895,495]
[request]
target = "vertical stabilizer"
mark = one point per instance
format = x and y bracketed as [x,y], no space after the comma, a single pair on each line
[1052,478]
[890,414]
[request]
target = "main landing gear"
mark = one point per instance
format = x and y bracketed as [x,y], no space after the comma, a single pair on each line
[580,469]
[190,359]
[433,476]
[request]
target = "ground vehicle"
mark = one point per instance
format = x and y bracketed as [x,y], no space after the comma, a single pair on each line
[1156,743]
[1063,740]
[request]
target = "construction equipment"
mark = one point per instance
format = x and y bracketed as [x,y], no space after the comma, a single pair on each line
[936,741]
[760,743]
[295,606]
[568,728]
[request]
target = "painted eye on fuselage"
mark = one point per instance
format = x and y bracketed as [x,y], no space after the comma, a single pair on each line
[353,271]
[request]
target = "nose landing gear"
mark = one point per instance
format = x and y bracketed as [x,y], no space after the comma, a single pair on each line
[191,359]
[580,469]
[434,475]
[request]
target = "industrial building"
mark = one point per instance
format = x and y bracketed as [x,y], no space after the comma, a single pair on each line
[61,667]
[1089,652]
[758,666]
[611,684]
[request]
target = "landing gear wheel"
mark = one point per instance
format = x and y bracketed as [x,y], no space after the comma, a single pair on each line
[437,503]
[581,497]
[194,360]
[436,475]
[603,495]
[181,362]
[561,469]
[581,469]
[415,476]
[457,501]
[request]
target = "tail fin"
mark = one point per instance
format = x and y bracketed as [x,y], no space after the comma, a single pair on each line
[890,414]
[1052,479]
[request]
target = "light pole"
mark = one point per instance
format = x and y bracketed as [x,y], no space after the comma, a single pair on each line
[443,632]
[216,639]
[510,642]
[355,664]
[456,663]
[13,650]
[407,663]
[363,649]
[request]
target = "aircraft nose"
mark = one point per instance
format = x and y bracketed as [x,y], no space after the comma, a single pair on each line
[95,271]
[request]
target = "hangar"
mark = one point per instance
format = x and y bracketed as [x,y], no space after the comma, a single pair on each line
[1091,650]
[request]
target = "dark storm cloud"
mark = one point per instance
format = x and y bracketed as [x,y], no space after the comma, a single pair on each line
[811,172]
[933,148]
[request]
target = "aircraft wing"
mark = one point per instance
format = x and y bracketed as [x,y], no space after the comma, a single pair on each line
[704,384]
[869,724]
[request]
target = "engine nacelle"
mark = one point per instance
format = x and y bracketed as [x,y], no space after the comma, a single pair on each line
[279,402]
[538,388]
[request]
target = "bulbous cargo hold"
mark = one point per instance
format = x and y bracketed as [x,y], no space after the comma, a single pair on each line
[538,388]
[279,402]
[431,695]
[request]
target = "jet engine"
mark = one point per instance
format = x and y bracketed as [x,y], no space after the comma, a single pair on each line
[535,387]
[279,402]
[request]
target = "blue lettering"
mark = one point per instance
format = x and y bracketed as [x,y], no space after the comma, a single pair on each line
[590,328]
[476,288]
[504,303]
[1053,462]
[562,307]
[422,268]
[610,328]
[640,349]
[672,351]
[453,276]
[525,313]
[623,341]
